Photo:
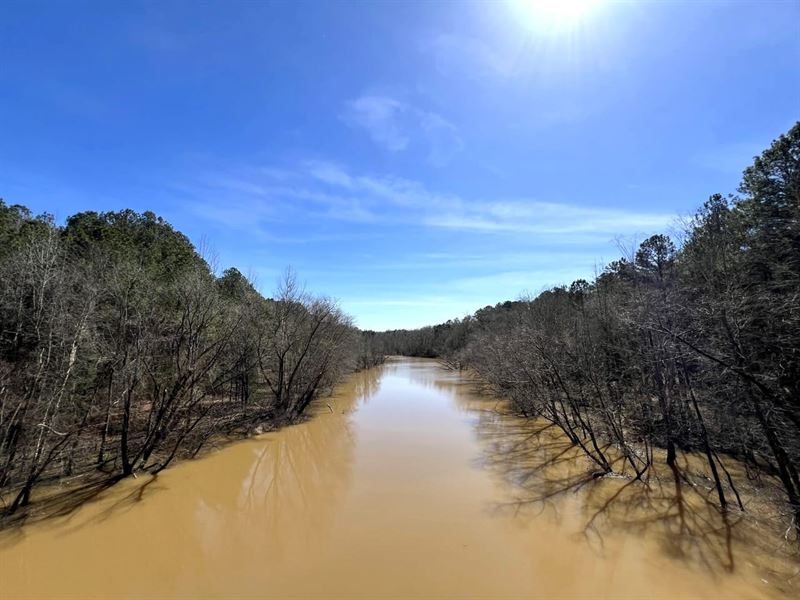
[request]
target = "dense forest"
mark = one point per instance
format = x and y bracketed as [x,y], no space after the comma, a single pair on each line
[121,349]
[686,345]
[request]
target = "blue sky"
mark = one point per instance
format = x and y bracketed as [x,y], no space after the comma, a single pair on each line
[416,160]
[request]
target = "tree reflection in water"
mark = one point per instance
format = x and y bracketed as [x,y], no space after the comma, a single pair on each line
[548,477]
[293,482]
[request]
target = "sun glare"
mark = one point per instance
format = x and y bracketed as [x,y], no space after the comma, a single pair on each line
[554,13]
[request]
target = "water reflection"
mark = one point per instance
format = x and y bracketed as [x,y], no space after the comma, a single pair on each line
[293,484]
[403,483]
[549,478]
[366,384]
[423,372]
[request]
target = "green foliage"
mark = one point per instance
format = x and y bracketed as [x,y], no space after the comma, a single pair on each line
[18,226]
[235,286]
[145,240]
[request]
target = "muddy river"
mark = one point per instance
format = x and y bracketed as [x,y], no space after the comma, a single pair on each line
[404,484]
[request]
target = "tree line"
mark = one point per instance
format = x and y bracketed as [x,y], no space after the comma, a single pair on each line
[691,346]
[121,349]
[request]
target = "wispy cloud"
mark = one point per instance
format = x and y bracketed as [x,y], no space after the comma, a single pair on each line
[382,118]
[548,218]
[329,173]
[539,258]
[366,233]
[396,126]
[324,191]
[441,136]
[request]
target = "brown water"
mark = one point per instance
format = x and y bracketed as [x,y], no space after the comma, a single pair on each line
[404,484]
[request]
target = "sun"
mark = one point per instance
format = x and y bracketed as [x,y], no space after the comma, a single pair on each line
[554,13]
